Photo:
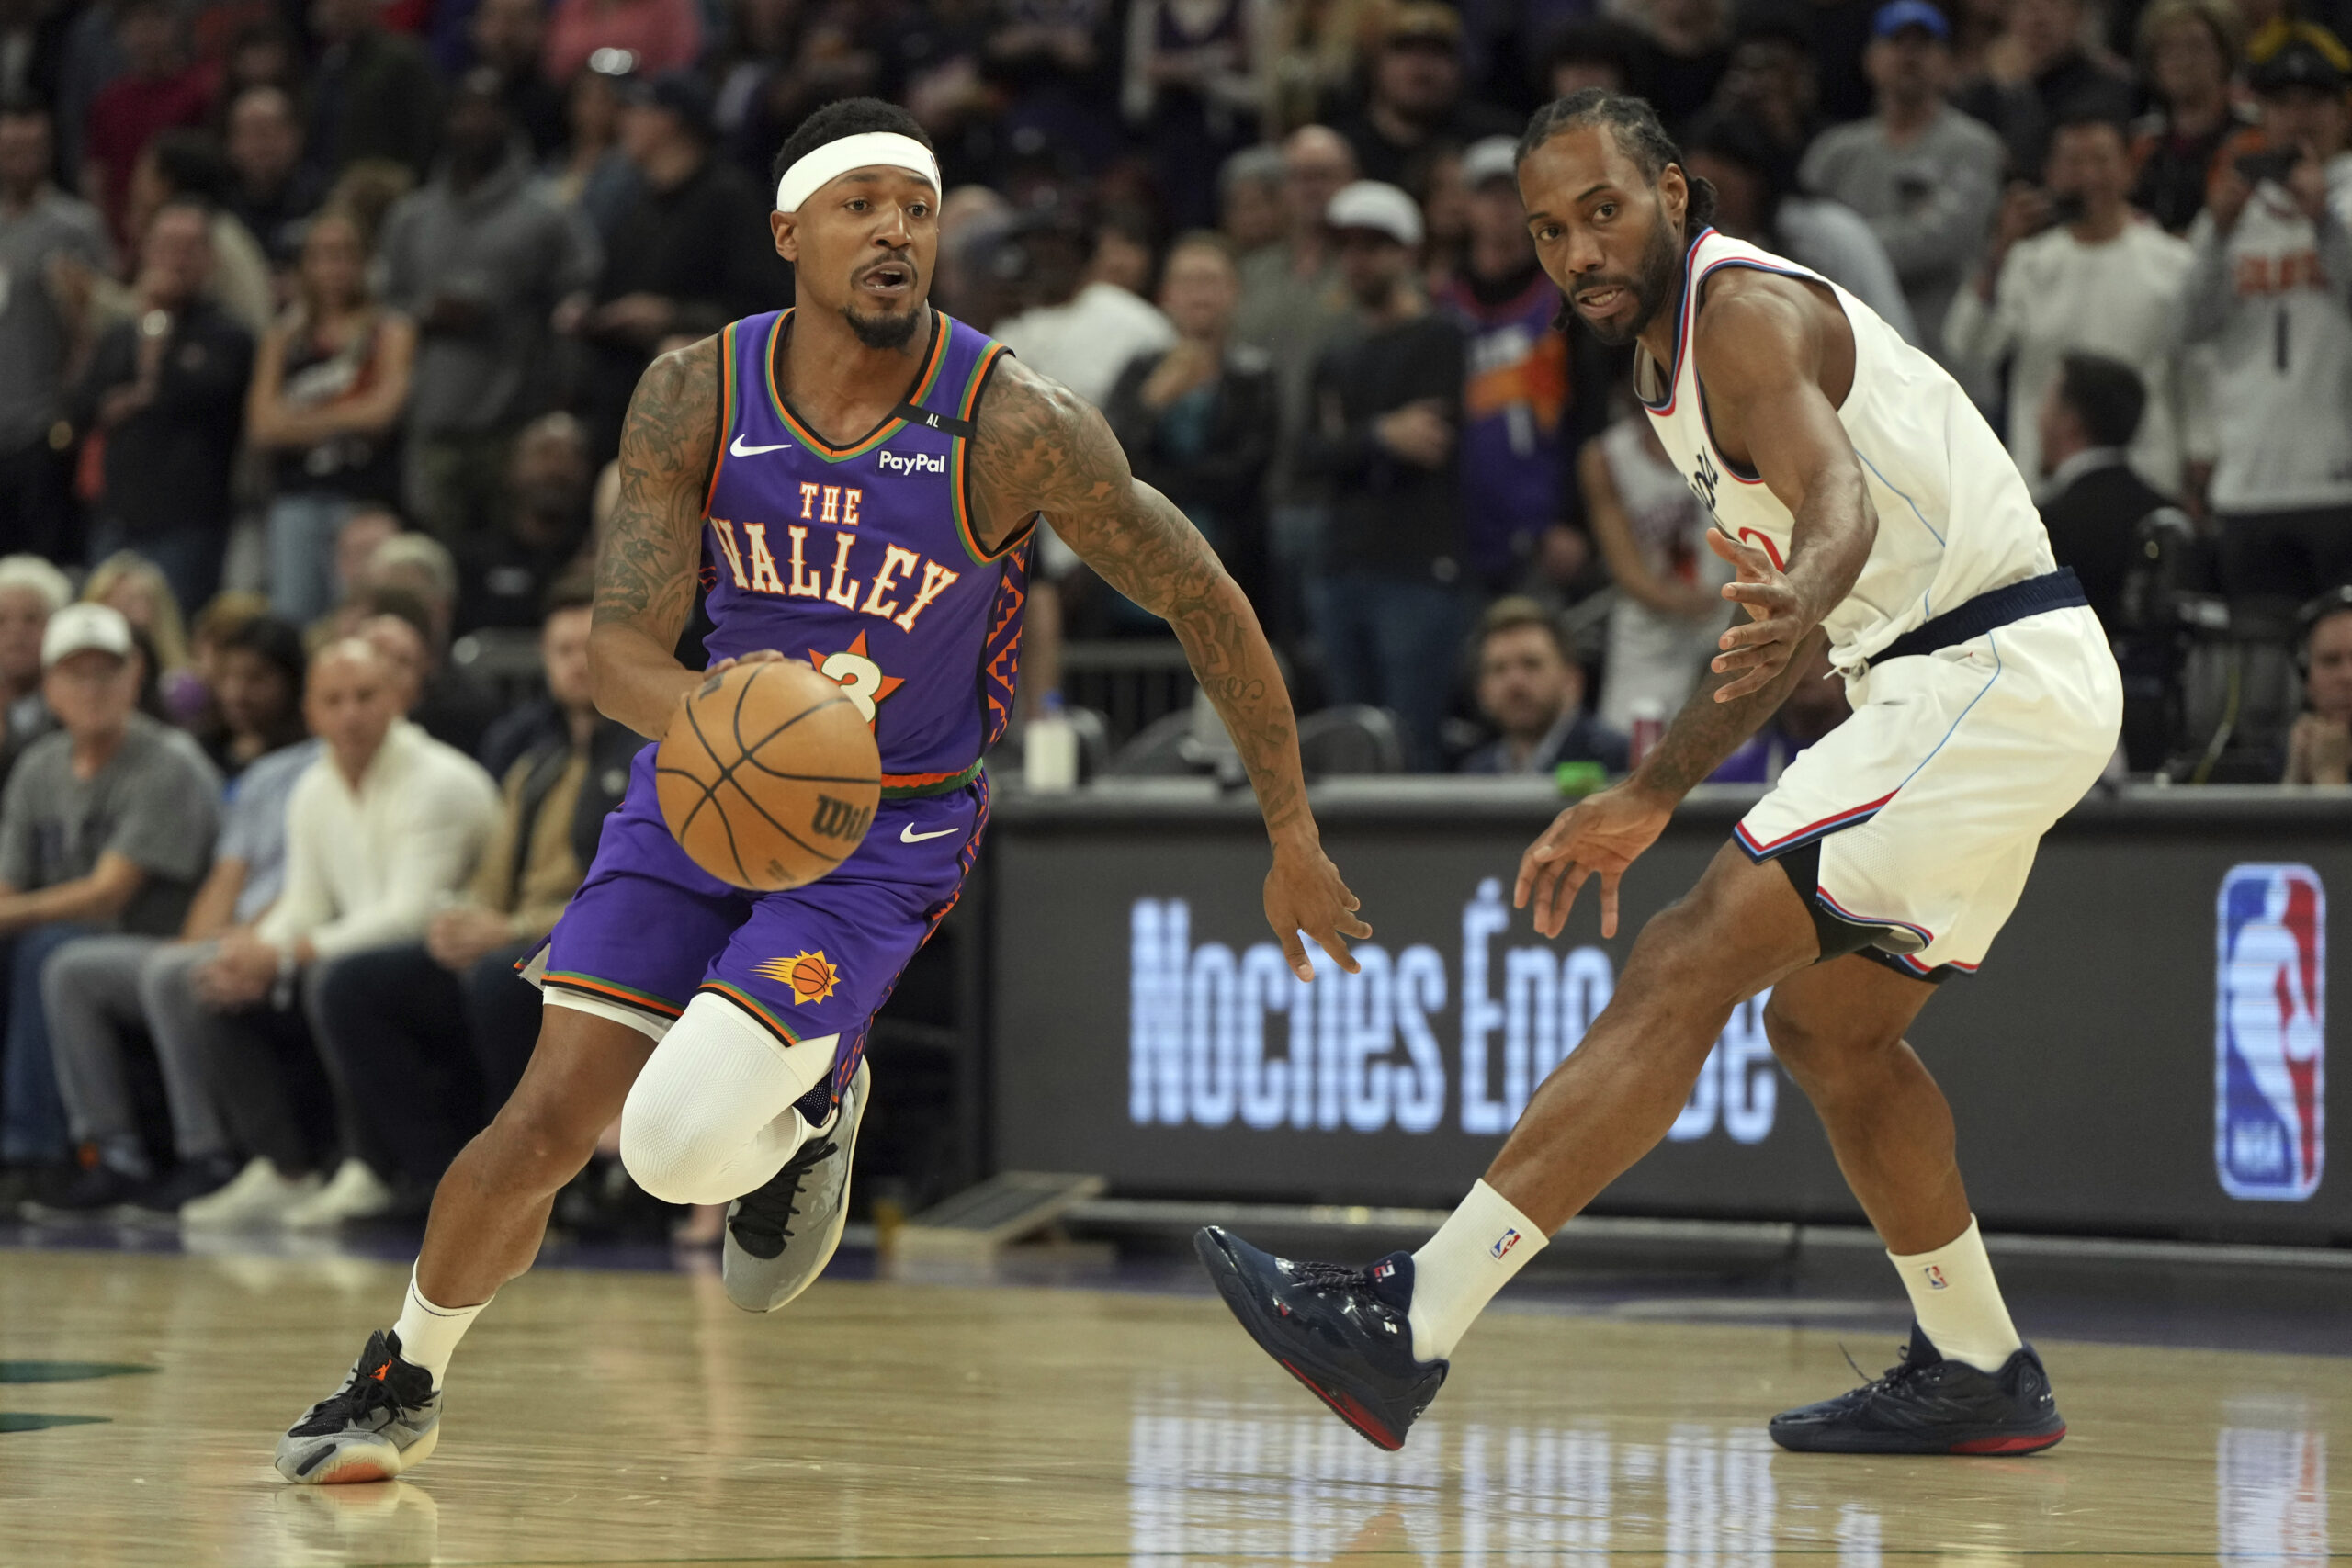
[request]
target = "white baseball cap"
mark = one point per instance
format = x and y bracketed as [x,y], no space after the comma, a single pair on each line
[79,628]
[1383,208]
[1491,158]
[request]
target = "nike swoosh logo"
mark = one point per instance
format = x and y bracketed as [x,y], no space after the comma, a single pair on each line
[906,835]
[739,450]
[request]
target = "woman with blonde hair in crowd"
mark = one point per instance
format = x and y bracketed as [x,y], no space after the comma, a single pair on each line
[331,379]
[130,582]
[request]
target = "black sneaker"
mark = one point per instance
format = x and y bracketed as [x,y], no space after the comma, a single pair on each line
[385,1419]
[93,1193]
[1341,1331]
[1928,1404]
[190,1180]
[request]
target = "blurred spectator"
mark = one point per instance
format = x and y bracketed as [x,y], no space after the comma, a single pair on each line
[450,704]
[1530,688]
[2091,501]
[430,1036]
[662,35]
[1815,705]
[503,574]
[1514,405]
[1312,56]
[257,687]
[1925,176]
[373,93]
[2095,280]
[330,382]
[478,259]
[356,546]
[1774,79]
[1192,88]
[379,827]
[97,989]
[1126,250]
[1055,62]
[692,254]
[42,228]
[510,38]
[1689,49]
[2268,290]
[2041,77]
[1652,532]
[1756,200]
[590,173]
[1383,430]
[157,90]
[134,586]
[1293,305]
[1601,52]
[1085,330]
[973,223]
[271,191]
[264,54]
[2189,49]
[1434,182]
[1198,420]
[1250,199]
[1413,96]
[106,824]
[2319,747]
[31,590]
[163,400]
[186,166]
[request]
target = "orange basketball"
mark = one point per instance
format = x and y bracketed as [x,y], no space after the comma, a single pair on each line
[769,776]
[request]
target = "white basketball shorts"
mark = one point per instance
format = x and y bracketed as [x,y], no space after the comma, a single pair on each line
[1927,805]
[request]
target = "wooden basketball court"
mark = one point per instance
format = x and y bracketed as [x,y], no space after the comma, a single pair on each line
[616,1418]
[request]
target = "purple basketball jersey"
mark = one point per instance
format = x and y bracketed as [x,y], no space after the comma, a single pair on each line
[861,559]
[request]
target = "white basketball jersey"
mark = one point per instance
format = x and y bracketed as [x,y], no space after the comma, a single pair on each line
[1955,517]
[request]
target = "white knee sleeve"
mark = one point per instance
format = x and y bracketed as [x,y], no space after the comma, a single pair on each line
[710,1118]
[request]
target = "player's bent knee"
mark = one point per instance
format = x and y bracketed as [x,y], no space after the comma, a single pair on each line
[700,1114]
[1817,1053]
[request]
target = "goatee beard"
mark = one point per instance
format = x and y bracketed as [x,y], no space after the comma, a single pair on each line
[883,332]
[1650,288]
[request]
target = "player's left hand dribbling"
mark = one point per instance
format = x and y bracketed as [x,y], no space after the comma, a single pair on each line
[1304,893]
[1757,653]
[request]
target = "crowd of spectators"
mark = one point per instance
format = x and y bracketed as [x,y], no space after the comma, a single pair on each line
[317,324]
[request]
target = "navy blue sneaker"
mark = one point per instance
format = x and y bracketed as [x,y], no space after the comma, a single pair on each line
[1927,1405]
[1341,1331]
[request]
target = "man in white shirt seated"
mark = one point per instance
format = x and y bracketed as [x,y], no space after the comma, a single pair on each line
[380,829]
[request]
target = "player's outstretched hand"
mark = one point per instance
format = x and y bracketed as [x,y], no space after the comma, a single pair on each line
[1600,835]
[757,655]
[1759,651]
[1304,893]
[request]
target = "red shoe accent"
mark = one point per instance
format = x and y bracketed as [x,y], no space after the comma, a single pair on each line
[1349,1410]
[2008,1444]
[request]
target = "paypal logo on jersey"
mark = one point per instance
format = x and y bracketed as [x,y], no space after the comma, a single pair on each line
[912,462]
[2270,1033]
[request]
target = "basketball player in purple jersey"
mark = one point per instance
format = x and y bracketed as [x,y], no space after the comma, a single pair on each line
[856,480]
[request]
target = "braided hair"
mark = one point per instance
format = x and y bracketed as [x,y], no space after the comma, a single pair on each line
[1639,135]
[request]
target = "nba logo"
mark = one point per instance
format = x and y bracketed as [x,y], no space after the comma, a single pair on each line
[1504,1243]
[2270,1033]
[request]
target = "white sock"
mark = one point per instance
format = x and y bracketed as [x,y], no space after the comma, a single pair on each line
[1457,1271]
[429,1333]
[1958,1301]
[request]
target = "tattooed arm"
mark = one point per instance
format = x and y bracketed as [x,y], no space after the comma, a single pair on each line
[652,547]
[1039,450]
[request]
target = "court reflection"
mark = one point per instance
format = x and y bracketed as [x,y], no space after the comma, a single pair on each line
[2270,1484]
[1207,1482]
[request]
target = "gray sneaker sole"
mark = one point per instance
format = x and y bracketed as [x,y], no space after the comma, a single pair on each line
[765,1284]
[352,1456]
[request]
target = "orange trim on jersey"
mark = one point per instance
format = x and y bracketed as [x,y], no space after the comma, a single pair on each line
[956,475]
[726,411]
[565,980]
[888,428]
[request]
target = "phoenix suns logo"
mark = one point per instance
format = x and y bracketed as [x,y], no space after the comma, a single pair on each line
[811,976]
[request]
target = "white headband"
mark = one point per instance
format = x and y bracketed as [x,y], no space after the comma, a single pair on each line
[835,159]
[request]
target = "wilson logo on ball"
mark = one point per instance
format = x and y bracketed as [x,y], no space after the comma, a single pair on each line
[839,818]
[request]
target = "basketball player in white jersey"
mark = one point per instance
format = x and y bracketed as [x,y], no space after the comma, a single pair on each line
[1862,501]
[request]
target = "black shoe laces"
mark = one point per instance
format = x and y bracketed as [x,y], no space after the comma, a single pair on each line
[766,1213]
[351,1405]
[1331,1276]
[1891,1381]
